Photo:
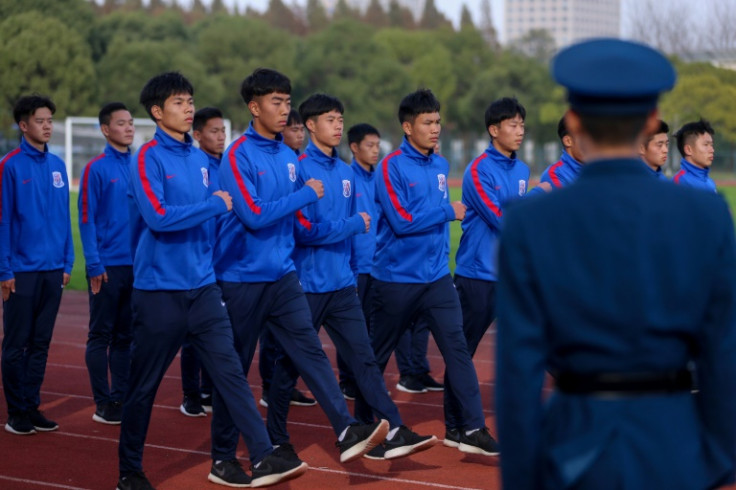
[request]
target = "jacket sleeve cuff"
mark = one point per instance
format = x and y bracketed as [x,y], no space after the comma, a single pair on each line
[449,212]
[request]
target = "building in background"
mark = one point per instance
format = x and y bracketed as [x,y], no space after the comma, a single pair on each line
[566,21]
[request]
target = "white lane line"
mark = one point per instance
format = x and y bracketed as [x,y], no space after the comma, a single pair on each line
[43,484]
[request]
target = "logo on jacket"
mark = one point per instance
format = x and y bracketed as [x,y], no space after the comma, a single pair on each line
[346,188]
[205,176]
[292,172]
[442,183]
[522,187]
[58,181]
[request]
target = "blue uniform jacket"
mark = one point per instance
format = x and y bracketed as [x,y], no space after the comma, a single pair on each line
[489,183]
[35,222]
[104,223]
[171,212]
[560,174]
[628,274]
[324,229]
[255,243]
[214,170]
[364,244]
[657,173]
[412,232]
[693,176]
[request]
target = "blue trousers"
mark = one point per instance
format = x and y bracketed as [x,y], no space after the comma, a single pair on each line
[397,305]
[282,306]
[478,302]
[364,296]
[162,320]
[29,315]
[341,314]
[191,383]
[268,351]
[110,334]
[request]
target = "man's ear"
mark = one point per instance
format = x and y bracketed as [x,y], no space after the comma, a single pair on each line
[354,147]
[493,130]
[105,128]
[254,108]
[157,112]
[23,126]
[310,125]
[407,127]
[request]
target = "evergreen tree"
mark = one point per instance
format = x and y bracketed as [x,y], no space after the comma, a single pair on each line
[433,18]
[375,15]
[466,19]
[316,16]
[399,16]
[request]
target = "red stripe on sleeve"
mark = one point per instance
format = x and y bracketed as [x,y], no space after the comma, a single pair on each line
[85,189]
[390,188]
[302,157]
[239,178]
[479,187]
[2,172]
[679,174]
[303,220]
[144,178]
[553,174]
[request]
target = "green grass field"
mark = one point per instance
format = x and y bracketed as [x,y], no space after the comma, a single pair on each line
[78,280]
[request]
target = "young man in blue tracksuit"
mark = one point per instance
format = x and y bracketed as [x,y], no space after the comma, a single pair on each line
[208,130]
[254,266]
[104,226]
[695,144]
[36,258]
[411,275]
[326,269]
[491,180]
[565,171]
[175,296]
[654,150]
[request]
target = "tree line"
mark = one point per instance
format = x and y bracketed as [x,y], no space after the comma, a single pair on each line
[84,54]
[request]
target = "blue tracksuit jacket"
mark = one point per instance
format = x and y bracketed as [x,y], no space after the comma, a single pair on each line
[324,229]
[657,173]
[104,223]
[489,182]
[171,208]
[693,176]
[560,174]
[364,244]
[255,243]
[35,223]
[412,243]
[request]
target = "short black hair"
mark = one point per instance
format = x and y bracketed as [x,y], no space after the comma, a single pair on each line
[502,109]
[318,104]
[562,129]
[27,105]
[613,130]
[422,101]
[357,133]
[294,118]
[107,110]
[692,130]
[663,128]
[264,81]
[163,86]
[203,115]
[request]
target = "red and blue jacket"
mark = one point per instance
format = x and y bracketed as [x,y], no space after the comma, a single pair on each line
[693,176]
[560,174]
[364,244]
[324,229]
[489,183]
[412,232]
[35,222]
[255,243]
[104,223]
[171,215]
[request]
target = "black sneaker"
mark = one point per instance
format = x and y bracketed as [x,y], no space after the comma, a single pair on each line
[108,414]
[20,424]
[134,481]
[299,399]
[206,402]
[429,383]
[452,438]
[192,407]
[378,452]
[406,442]
[361,438]
[478,442]
[410,384]
[349,390]
[229,473]
[264,400]
[41,423]
[275,468]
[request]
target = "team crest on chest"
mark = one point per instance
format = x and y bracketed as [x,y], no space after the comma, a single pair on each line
[205,176]
[442,184]
[292,172]
[346,191]
[522,187]
[58,181]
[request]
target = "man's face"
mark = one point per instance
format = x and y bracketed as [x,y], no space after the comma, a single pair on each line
[294,136]
[326,129]
[654,153]
[270,113]
[177,114]
[424,132]
[700,151]
[211,137]
[38,127]
[120,131]
[508,134]
[366,152]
